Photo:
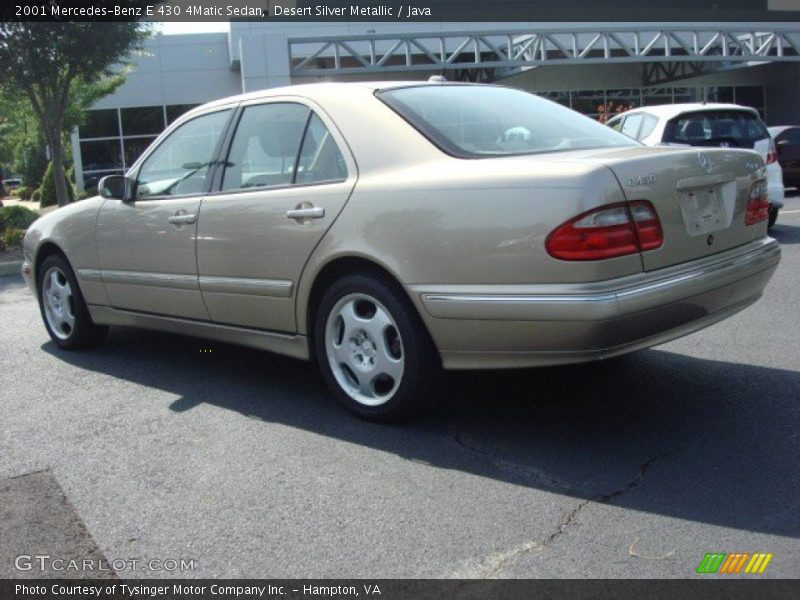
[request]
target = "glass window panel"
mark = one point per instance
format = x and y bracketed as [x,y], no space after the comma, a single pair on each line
[100,123]
[105,154]
[320,158]
[142,120]
[562,98]
[687,94]
[750,95]
[180,163]
[590,103]
[648,125]
[631,126]
[265,146]
[496,121]
[655,96]
[620,101]
[720,94]
[176,110]
[134,147]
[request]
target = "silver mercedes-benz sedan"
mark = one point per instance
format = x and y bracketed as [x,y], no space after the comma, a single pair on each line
[387,230]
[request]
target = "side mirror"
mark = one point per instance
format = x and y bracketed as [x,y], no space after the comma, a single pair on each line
[115,187]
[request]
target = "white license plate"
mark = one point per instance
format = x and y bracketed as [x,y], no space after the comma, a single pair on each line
[703,210]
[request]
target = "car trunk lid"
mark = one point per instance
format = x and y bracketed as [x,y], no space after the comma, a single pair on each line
[700,196]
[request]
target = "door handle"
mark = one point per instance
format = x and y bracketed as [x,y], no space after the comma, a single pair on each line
[312,212]
[181,219]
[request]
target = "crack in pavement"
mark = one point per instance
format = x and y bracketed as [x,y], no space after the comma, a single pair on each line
[498,562]
[529,472]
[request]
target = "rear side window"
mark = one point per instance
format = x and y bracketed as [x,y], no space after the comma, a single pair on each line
[726,128]
[281,143]
[265,146]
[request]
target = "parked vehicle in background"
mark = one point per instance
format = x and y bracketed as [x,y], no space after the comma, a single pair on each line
[12,184]
[485,227]
[787,142]
[708,125]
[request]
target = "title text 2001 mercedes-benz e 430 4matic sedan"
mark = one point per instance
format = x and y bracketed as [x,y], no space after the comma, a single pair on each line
[389,230]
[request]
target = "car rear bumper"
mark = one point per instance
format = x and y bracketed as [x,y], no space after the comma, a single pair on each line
[477,327]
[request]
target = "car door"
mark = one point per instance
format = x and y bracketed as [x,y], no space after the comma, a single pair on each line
[287,176]
[146,246]
[788,145]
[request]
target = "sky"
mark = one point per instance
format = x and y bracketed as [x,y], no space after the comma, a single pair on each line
[175,28]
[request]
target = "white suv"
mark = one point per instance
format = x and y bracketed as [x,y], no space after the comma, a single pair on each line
[707,124]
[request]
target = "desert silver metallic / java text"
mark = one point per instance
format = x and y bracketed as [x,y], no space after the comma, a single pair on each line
[58,303]
[364,349]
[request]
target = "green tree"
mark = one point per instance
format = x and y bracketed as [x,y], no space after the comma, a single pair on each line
[62,68]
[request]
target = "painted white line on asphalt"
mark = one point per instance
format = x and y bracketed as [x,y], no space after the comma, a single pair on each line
[789,212]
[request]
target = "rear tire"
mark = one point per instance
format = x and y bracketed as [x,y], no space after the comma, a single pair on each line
[373,350]
[63,308]
[773,216]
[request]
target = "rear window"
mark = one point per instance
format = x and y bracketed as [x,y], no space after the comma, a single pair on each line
[472,121]
[727,128]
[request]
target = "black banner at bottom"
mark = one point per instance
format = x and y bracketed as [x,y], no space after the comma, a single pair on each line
[396,589]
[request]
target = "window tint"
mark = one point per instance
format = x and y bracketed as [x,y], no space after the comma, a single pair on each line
[474,121]
[631,125]
[320,158]
[648,125]
[180,164]
[265,146]
[728,128]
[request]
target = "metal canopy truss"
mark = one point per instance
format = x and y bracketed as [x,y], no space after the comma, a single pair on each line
[439,51]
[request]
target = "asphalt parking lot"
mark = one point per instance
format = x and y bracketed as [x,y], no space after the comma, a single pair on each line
[164,447]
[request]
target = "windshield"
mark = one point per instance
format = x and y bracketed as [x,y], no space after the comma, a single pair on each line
[476,120]
[727,128]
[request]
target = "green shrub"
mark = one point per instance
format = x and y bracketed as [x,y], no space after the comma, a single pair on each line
[48,189]
[36,196]
[17,217]
[3,222]
[13,237]
[24,193]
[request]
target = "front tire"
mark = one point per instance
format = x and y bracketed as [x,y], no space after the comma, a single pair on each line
[63,308]
[373,350]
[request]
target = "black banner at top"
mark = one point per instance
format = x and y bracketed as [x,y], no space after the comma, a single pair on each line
[404,10]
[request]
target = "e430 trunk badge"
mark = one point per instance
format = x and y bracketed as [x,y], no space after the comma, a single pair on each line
[643,180]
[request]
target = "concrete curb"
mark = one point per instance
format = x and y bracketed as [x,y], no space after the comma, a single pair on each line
[10,268]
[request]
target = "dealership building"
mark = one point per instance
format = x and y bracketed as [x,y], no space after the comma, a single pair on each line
[595,68]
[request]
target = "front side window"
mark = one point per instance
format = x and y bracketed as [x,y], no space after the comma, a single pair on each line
[473,121]
[180,164]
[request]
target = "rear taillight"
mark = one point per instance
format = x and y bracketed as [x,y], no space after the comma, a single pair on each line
[606,232]
[758,204]
[772,155]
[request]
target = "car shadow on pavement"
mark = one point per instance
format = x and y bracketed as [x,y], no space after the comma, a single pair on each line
[701,440]
[785,234]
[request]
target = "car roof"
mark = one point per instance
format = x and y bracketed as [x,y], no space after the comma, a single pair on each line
[317,90]
[669,111]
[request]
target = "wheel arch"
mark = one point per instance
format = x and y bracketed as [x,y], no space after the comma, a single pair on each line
[45,249]
[330,272]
